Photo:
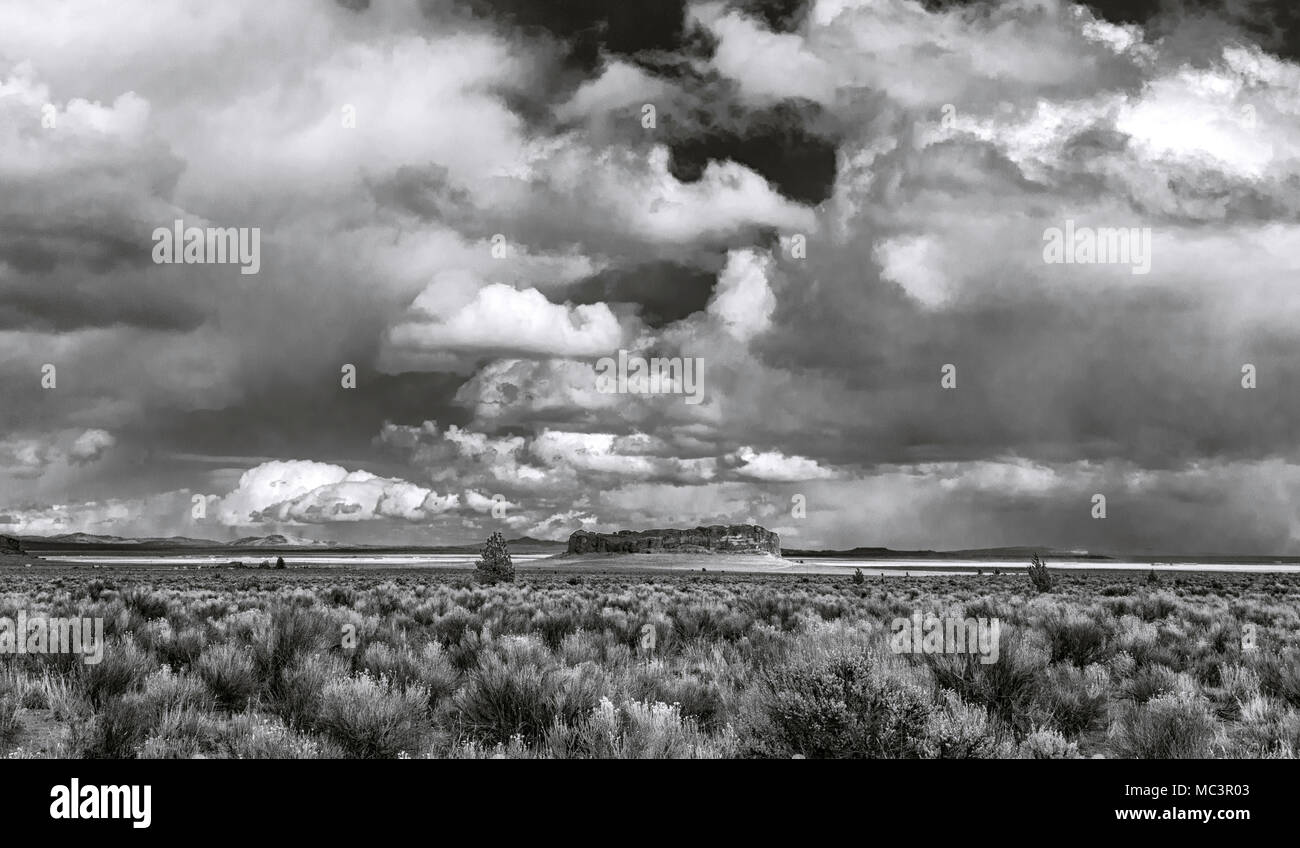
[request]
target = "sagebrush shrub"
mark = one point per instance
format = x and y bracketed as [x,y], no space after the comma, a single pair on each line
[1077,638]
[11,711]
[1168,727]
[842,706]
[1006,688]
[371,718]
[512,695]
[230,675]
[1047,744]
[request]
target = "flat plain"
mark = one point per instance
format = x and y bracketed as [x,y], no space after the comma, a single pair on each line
[615,661]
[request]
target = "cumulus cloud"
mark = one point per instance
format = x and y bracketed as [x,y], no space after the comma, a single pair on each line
[31,456]
[775,466]
[504,320]
[319,493]
[90,446]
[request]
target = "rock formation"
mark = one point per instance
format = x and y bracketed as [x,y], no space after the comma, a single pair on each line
[11,546]
[735,539]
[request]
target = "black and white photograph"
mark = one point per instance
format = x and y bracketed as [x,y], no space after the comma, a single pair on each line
[650,380]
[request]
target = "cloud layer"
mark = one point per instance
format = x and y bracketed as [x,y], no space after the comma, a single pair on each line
[835,210]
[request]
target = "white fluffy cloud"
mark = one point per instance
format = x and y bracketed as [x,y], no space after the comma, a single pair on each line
[503,320]
[777,467]
[319,493]
[743,302]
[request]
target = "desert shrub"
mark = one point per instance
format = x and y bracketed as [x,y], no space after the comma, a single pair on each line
[148,604]
[1005,688]
[1168,727]
[512,695]
[1076,638]
[119,728]
[396,664]
[958,730]
[494,564]
[1071,701]
[840,706]
[11,712]
[302,688]
[339,596]
[372,719]
[985,608]
[1155,606]
[464,654]
[1237,685]
[1149,682]
[179,648]
[254,737]
[698,699]
[164,689]
[123,667]
[183,733]
[636,730]
[1267,728]
[1047,744]
[1279,675]
[292,632]
[553,627]
[452,627]
[436,673]
[230,675]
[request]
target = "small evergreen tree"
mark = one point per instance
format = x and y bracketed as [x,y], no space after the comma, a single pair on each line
[494,563]
[1039,575]
[857,576]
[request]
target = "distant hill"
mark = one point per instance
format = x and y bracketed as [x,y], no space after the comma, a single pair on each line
[523,545]
[98,539]
[970,553]
[279,540]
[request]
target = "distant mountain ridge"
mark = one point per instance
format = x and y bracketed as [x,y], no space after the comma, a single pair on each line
[1019,552]
[281,541]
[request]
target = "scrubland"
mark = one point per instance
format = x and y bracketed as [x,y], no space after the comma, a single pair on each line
[319,663]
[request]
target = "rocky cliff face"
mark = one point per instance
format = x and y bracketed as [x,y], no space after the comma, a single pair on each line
[10,545]
[735,539]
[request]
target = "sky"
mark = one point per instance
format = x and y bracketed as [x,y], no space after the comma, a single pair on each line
[835,211]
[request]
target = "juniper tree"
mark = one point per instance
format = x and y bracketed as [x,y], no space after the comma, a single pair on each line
[494,563]
[1039,575]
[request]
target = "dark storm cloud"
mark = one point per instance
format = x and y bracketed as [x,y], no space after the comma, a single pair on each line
[775,142]
[287,420]
[779,15]
[591,26]
[664,291]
